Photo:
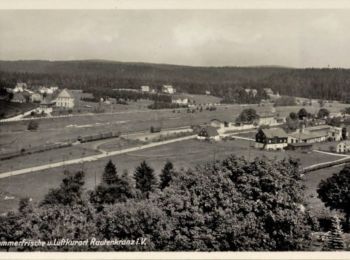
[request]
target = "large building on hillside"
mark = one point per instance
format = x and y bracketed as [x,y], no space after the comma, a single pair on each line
[65,99]
[271,139]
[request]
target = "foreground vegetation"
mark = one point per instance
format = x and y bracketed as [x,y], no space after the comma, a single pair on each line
[231,204]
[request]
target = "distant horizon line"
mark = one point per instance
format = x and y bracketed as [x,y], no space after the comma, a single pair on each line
[172,64]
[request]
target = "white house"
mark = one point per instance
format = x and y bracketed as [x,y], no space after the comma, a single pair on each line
[145,89]
[20,87]
[36,97]
[45,107]
[180,101]
[316,134]
[343,147]
[168,89]
[251,91]
[65,99]
[269,120]
[47,90]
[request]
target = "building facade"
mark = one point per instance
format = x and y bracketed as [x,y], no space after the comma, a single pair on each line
[271,139]
[145,89]
[65,99]
[343,147]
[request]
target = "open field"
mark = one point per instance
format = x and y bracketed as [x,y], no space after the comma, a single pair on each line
[311,181]
[51,156]
[183,154]
[14,136]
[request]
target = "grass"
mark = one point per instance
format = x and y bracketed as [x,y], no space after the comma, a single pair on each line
[13,135]
[183,154]
[312,180]
[46,157]
[10,109]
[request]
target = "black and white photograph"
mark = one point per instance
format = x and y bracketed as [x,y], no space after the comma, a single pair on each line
[175,130]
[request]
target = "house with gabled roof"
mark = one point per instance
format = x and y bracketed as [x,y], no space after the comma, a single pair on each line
[18,97]
[271,139]
[65,99]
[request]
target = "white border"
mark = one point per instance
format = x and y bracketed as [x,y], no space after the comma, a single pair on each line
[173,5]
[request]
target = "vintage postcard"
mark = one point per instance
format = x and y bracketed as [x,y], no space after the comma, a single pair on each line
[161,129]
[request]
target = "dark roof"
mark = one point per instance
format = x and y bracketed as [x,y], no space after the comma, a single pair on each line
[274,132]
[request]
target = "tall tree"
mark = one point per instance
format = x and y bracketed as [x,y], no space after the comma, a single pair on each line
[335,240]
[113,188]
[145,179]
[166,175]
[110,173]
[335,192]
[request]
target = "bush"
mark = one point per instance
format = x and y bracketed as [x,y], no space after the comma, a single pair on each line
[33,125]
[154,129]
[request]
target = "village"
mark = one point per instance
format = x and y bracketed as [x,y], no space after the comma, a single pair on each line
[66,129]
[270,128]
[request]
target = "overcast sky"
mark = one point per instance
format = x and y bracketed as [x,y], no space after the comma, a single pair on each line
[296,38]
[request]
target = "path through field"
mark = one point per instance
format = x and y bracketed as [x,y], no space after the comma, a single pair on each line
[92,157]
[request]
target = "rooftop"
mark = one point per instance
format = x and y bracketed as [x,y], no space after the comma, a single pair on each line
[65,94]
[274,132]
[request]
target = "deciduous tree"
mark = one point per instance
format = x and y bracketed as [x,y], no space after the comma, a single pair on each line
[335,192]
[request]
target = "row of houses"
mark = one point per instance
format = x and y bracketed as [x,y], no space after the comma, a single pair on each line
[166,89]
[277,138]
[226,124]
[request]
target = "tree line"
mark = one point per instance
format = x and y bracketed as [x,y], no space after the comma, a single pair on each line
[328,84]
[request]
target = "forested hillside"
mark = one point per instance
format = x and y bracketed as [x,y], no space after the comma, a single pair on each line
[221,81]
